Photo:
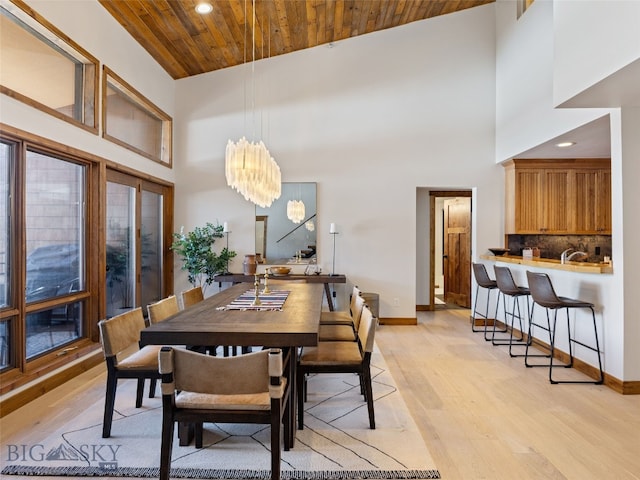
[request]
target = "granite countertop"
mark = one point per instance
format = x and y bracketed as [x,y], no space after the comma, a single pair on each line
[580,267]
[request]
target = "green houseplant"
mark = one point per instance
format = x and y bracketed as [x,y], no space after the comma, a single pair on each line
[195,249]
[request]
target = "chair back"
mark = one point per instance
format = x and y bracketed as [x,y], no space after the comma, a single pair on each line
[367,329]
[192,296]
[355,293]
[482,277]
[120,332]
[357,311]
[504,280]
[163,309]
[542,290]
[199,373]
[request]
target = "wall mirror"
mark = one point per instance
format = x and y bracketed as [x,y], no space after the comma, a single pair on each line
[281,240]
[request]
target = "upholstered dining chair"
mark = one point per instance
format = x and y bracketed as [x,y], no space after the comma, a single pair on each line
[199,388]
[162,309]
[342,317]
[331,332]
[340,357]
[192,296]
[118,334]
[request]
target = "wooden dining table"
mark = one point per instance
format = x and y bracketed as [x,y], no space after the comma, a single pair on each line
[212,322]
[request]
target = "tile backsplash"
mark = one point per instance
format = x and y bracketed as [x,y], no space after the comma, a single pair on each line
[552,246]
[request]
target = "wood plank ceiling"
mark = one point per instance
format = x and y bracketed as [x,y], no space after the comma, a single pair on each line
[187,43]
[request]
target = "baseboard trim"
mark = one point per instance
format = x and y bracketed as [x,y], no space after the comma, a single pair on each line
[398,321]
[425,308]
[615,384]
[19,397]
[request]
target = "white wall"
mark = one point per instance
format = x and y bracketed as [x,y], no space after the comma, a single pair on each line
[593,40]
[554,51]
[525,51]
[89,25]
[370,120]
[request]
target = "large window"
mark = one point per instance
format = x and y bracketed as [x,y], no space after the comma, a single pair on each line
[42,67]
[79,242]
[5,257]
[130,120]
[55,238]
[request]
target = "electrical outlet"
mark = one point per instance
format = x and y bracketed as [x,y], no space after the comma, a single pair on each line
[597,250]
[396,302]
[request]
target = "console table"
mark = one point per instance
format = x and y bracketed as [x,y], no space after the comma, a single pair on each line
[326,279]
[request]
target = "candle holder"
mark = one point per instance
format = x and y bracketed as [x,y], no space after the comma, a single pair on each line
[256,291]
[265,290]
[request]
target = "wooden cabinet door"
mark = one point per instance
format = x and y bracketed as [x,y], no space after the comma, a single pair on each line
[603,202]
[528,201]
[556,204]
[592,201]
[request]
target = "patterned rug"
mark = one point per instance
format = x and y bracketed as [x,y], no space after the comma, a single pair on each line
[336,442]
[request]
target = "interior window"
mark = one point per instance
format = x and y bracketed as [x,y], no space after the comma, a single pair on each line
[39,67]
[134,122]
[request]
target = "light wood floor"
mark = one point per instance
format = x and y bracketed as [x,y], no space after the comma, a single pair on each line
[482,414]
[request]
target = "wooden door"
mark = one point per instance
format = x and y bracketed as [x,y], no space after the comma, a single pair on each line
[457,251]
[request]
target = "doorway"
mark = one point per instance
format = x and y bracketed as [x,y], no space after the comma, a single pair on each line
[450,232]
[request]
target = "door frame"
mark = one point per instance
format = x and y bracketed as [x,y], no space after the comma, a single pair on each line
[433,194]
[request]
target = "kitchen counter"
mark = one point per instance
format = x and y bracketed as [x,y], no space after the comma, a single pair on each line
[581,267]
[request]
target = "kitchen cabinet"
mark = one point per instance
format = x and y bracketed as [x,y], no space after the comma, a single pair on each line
[593,201]
[558,196]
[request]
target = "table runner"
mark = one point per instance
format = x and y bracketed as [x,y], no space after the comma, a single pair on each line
[273,301]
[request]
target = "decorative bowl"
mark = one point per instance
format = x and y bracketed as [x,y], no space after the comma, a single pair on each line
[278,271]
[498,251]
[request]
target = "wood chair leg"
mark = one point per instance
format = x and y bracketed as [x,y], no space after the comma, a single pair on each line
[369,396]
[276,421]
[109,404]
[139,392]
[198,431]
[301,388]
[166,446]
[152,387]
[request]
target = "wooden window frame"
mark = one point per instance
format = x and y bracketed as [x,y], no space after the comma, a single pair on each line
[90,71]
[94,293]
[135,97]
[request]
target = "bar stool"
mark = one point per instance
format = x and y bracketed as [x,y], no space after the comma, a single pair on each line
[483,280]
[544,295]
[508,288]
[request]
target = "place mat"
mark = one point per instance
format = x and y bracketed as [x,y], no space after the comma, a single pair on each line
[272,301]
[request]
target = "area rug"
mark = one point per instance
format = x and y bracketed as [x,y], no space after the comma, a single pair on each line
[336,442]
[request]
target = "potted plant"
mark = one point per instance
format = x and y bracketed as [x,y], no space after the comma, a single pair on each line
[198,258]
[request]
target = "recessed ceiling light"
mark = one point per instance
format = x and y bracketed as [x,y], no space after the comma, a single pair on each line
[203,8]
[565,144]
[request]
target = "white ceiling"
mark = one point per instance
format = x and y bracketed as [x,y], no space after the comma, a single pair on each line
[592,140]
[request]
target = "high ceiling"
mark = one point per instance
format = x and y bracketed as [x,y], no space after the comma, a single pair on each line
[187,43]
